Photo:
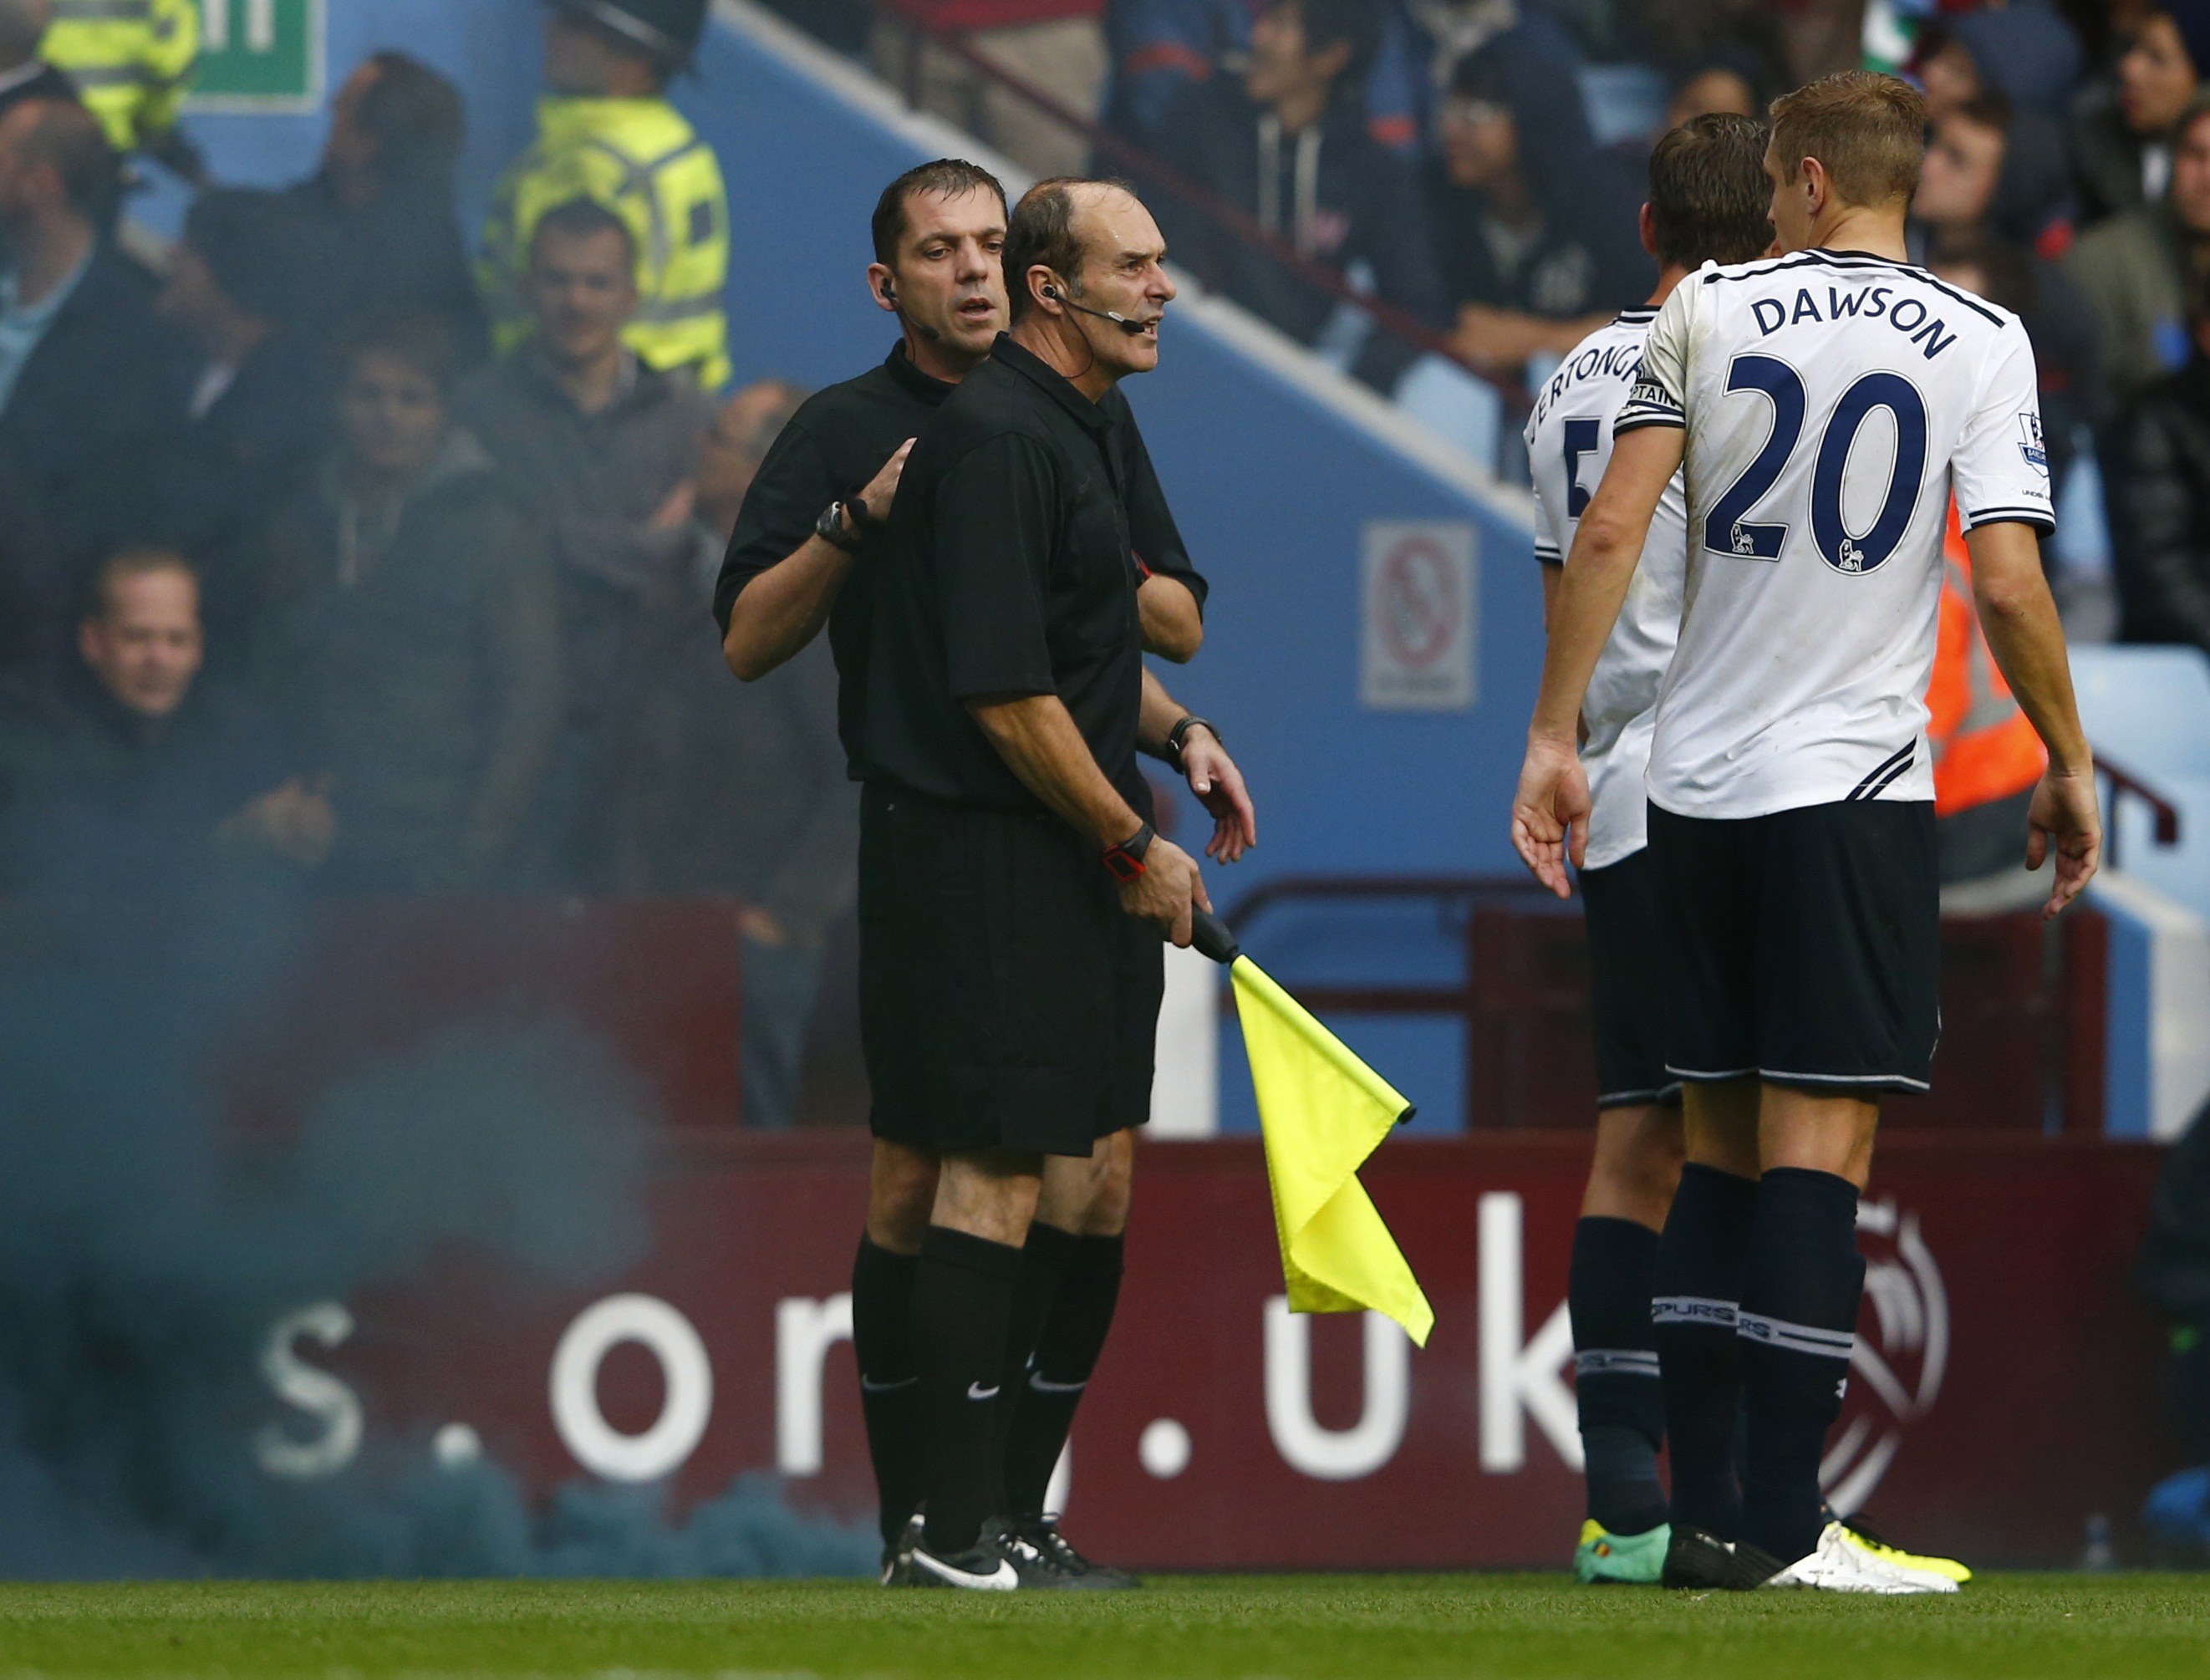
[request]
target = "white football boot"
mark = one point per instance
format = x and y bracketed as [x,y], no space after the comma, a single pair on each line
[1843,1563]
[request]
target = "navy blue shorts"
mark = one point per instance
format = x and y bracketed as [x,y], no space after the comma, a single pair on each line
[1628,976]
[1804,945]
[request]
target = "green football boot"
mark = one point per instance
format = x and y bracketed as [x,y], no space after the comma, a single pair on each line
[1605,1559]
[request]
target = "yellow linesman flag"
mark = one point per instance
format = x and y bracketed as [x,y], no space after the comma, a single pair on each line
[1323,1111]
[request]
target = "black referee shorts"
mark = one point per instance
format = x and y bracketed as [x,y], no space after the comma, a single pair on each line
[1005,1000]
[1804,945]
[1628,976]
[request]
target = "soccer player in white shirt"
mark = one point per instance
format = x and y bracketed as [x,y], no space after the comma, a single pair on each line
[1709,201]
[1825,404]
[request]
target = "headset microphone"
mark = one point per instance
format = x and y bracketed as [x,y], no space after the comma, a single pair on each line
[1133,329]
[890,297]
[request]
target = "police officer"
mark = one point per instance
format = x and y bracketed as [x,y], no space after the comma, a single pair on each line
[805,552]
[132,61]
[1013,891]
[605,130]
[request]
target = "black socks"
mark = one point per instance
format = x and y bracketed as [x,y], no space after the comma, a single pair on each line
[1036,1299]
[1615,1383]
[1697,1295]
[1065,1354]
[963,1303]
[1797,1323]
[882,1338]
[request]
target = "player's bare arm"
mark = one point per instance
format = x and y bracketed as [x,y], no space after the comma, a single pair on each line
[1549,812]
[1037,738]
[781,610]
[1174,628]
[2024,635]
[1211,774]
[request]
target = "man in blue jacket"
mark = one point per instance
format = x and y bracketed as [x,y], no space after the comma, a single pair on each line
[1289,143]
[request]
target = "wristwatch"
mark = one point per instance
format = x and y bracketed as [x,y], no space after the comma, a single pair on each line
[843,525]
[1180,733]
[1125,863]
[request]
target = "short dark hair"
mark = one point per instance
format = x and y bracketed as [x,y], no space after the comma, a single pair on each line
[1710,198]
[68,138]
[425,344]
[950,177]
[583,218]
[257,246]
[1041,233]
[1360,22]
[417,119]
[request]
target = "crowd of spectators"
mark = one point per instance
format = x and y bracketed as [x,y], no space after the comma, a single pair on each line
[305,578]
[1474,166]
[392,601]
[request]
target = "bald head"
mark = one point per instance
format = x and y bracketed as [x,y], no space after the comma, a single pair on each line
[1085,268]
[1053,227]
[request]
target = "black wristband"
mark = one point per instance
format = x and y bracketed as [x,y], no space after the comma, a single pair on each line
[1180,733]
[1125,863]
[842,525]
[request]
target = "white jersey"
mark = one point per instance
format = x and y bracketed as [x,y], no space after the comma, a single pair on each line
[1568,447]
[1833,401]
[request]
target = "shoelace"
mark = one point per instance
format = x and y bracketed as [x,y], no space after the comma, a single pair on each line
[1872,1538]
[1053,1550]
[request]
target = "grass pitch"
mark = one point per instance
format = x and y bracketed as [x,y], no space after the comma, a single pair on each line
[1367,1628]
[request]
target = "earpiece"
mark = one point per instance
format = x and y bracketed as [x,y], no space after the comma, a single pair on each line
[890,297]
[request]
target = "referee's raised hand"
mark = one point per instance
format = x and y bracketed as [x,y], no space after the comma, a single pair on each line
[1550,811]
[882,489]
[1168,891]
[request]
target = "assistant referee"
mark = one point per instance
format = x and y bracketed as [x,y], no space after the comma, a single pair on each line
[803,556]
[1012,894]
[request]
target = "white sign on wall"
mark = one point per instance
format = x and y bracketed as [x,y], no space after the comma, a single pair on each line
[1420,615]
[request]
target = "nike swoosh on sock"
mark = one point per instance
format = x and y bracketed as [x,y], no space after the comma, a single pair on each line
[975,1391]
[1045,1386]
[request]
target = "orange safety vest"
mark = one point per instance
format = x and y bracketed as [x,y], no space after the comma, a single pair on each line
[1985,749]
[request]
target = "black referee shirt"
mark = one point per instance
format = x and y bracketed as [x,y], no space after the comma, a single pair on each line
[1008,569]
[830,451]
[832,448]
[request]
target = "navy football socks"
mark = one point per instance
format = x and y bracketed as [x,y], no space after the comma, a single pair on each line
[1697,1294]
[1616,1390]
[1796,1326]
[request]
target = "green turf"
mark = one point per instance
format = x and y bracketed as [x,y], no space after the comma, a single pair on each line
[1365,1628]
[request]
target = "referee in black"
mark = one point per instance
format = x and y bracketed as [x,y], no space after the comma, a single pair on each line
[1013,894]
[802,556]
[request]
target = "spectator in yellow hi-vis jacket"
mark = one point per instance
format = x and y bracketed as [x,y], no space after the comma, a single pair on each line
[605,130]
[132,61]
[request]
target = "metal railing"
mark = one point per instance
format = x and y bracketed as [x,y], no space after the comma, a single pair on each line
[1453,897]
[2023,1050]
[2125,785]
